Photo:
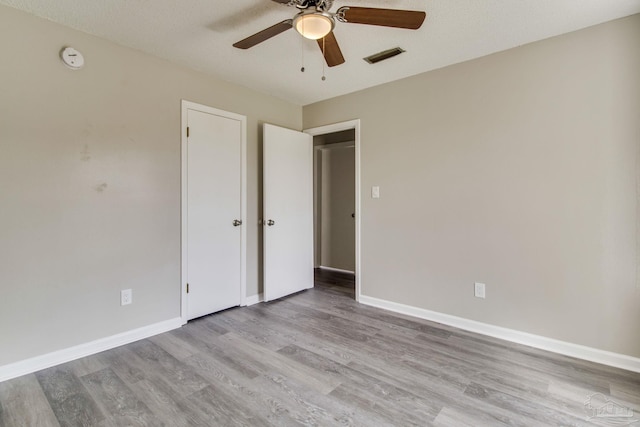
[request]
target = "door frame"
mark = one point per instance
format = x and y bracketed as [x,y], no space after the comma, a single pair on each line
[185,106]
[337,127]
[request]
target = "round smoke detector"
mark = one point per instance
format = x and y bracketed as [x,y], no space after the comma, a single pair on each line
[72,58]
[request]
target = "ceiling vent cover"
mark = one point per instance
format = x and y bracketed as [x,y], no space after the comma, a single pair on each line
[386,54]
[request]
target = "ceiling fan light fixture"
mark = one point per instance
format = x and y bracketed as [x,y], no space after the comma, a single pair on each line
[314,25]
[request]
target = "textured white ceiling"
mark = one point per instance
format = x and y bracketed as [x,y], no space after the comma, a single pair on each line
[199,34]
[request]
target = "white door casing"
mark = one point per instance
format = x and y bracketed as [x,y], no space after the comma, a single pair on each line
[213,198]
[287,211]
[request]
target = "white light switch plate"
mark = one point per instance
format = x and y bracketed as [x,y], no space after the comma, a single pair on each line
[375,192]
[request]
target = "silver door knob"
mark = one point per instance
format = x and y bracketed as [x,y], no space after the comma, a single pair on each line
[237,222]
[271,222]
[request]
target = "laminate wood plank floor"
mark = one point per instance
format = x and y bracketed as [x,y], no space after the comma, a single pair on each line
[319,358]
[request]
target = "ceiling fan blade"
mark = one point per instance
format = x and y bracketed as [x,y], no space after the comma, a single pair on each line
[409,19]
[263,35]
[332,53]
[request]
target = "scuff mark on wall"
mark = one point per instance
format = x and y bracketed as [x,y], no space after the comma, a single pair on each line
[88,128]
[101,188]
[85,156]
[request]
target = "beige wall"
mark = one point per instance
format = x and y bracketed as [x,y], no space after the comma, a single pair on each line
[517,170]
[90,184]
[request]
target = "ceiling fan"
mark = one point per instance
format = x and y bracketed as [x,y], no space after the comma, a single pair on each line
[316,22]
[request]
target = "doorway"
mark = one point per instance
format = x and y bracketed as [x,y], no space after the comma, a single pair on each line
[336,206]
[334,194]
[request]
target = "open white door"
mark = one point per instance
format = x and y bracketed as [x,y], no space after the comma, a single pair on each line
[288,211]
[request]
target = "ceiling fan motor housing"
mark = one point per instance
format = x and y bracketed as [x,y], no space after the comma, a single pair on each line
[320,5]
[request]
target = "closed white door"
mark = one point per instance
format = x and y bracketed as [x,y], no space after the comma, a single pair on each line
[288,211]
[214,212]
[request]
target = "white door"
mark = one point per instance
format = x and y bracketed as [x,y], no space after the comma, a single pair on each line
[288,211]
[214,211]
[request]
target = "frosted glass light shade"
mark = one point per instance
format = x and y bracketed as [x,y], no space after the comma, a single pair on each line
[313,26]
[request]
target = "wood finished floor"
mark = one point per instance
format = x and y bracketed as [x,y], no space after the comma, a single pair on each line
[316,358]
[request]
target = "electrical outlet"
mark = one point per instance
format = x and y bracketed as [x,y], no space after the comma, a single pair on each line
[126,297]
[479,290]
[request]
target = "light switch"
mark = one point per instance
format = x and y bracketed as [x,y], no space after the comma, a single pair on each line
[375,192]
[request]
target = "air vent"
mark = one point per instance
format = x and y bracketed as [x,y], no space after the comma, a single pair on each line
[381,56]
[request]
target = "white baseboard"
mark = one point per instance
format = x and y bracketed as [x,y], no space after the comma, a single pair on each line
[28,366]
[254,299]
[556,346]
[338,270]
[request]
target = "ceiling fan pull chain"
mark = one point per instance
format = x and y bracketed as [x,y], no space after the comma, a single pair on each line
[324,60]
[302,54]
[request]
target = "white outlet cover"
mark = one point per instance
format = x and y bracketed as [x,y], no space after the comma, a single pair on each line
[126,297]
[479,290]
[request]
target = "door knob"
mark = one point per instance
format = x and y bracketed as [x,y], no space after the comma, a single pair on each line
[237,222]
[271,222]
